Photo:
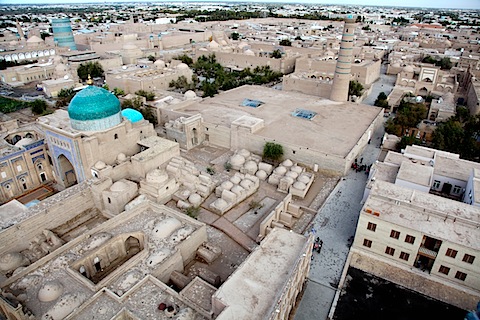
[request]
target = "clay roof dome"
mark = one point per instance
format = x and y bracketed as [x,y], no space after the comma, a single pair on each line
[190,95]
[408,69]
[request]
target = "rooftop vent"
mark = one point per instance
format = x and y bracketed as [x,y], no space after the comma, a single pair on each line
[251,103]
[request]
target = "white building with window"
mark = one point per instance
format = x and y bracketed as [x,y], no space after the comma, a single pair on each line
[420,228]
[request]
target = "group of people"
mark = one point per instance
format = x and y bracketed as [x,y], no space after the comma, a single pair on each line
[358,167]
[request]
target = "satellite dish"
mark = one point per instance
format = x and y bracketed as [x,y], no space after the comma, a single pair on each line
[124,67]
[65,77]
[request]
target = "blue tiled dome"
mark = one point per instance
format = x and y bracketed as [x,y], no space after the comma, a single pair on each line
[132,115]
[93,103]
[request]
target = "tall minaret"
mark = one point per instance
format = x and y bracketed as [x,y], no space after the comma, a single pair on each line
[20,31]
[342,76]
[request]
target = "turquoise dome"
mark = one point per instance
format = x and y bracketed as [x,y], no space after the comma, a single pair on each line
[93,103]
[132,115]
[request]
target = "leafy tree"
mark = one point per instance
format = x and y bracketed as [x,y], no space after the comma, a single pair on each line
[64,96]
[151,58]
[106,87]
[38,106]
[150,96]
[276,54]
[183,84]
[285,42]
[235,35]
[409,115]
[381,100]
[209,89]
[298,38]
[185,59]
[137,104]
[94,69]
[118,92]
[272,151]
[355,88]
[444,64]
[407,141]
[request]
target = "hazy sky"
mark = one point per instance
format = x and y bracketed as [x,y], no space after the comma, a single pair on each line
[467,4]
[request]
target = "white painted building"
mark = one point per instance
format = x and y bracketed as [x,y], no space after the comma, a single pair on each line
[420,225]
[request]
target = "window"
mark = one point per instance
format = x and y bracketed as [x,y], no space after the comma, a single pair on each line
[457,189]
[409,239]
[389,251]
[115,136]
[468,258]
[371,226]
[404,256]
[395,234]
[444,270]
[451,253]
[460,275]
[436,184]
[367,243]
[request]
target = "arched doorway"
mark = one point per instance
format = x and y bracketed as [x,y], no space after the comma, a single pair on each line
[67,172]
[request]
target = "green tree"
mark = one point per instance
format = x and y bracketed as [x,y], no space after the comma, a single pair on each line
[185,59]
[38,106]
[285,42]
[209,89]
[150,96]
[276,54]
[106,87]
[381,100]
[235,35]
[355,88]
[118,92]
[94,69]
[151,58]
[64,96]
[272,151]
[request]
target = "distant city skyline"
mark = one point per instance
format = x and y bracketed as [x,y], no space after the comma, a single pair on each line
[460,4]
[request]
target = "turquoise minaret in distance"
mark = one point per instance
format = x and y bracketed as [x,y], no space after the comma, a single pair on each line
[62,33]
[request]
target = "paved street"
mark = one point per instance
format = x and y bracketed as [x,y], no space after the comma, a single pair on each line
[384,84]
[335,224]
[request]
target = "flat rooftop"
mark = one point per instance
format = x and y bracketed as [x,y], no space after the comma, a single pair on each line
[439,217]
[415,173]
[250,290]
[335,129]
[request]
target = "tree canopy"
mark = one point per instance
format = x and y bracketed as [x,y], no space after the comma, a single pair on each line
[94,69]
[272,151]
[355,88]
[285,42]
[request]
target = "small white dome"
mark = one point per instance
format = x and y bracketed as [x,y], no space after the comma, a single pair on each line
[296,169]
[165,228]
[213,45]
[220,204]
[280,170]
[244,153]
[408,69]
[288,180]
[227,185]
[121,157]
[190,95]
[249,52]
[251,166]
[100,165]
[157,176]
[237,160]
[65,306]
[158,257]
[246,184]
[50,291]
[287,163]
[195,199]
[304,179]
[292,174]
[119,186]
[299,185]
[235,180]
[11,261]
[261,174]
[182,66]
[160,64]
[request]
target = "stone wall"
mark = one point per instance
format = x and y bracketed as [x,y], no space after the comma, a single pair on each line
[50,214]
[417,281]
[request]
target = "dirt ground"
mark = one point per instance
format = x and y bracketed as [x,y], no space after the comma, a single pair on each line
[368,297]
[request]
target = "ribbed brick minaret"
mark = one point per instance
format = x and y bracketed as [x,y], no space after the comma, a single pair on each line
[342,76]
